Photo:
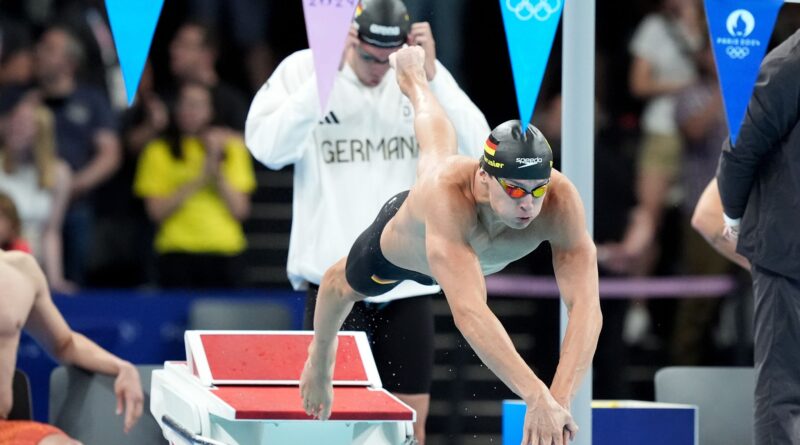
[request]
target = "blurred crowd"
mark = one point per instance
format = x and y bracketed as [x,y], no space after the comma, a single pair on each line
[157,193]
[111,195]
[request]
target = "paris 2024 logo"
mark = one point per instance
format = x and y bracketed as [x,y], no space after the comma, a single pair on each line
[740,24]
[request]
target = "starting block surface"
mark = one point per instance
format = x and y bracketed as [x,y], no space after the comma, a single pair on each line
[242,387]
[283,403]
[266,358]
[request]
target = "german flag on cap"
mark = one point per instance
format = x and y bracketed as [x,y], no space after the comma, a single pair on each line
[490,146]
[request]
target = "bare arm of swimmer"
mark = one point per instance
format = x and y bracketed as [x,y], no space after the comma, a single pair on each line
[46,324]
[449,218]
[456,267]
[434,132]
[575,266]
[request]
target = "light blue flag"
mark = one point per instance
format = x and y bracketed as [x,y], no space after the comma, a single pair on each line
[740,32]
[530,28]
[133,23]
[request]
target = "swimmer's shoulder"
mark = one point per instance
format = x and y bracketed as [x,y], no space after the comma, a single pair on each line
[16,258]
[453,180]
[457,170]
[24,263]
[562,201]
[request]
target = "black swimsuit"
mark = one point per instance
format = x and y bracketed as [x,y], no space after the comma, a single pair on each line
[368,271]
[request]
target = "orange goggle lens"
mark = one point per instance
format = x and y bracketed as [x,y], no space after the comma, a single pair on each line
[517,192]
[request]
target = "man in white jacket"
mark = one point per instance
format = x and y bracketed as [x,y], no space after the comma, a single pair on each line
[347,163]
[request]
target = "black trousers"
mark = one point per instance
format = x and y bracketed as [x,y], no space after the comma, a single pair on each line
[401,337]
[777,358]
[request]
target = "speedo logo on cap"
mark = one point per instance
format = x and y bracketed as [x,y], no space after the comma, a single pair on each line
[384,30]
[528,162]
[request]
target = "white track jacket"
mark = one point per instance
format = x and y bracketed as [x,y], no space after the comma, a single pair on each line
[349,161]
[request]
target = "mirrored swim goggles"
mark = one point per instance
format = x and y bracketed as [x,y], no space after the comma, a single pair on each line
[518,192]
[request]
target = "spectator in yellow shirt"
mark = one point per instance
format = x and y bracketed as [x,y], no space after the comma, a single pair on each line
[196,184]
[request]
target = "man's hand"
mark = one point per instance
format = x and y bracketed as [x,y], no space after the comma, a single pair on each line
[128,389]
[731,231]
[409,64]
[316,383]
[546,421]
[422,35]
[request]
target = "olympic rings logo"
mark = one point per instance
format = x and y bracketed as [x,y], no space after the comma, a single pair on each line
[737,52]
[541,11]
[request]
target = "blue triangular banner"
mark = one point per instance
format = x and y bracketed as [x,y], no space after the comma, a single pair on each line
[740,32]
[133,23]
[530,28]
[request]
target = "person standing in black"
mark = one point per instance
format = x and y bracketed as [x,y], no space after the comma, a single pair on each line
[759,184]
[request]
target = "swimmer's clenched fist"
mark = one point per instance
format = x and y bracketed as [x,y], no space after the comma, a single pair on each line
[409,63]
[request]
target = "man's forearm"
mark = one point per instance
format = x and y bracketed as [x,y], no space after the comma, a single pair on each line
[86,354]
[576,274]
[708,221]
[490,341]
[577,351]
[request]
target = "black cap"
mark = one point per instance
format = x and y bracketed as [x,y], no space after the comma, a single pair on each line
[512,153]
[383,23]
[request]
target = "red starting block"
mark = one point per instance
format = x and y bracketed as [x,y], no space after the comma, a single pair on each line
[242,388]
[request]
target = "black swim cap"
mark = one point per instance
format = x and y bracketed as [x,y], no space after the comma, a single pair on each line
[511,153]
[382,23]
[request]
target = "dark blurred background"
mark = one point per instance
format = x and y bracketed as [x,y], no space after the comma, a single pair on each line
[108,234]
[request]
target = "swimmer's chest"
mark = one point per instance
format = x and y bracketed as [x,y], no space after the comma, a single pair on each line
[16,299]
[495,253]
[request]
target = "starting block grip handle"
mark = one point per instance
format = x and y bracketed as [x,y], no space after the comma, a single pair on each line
[186,434]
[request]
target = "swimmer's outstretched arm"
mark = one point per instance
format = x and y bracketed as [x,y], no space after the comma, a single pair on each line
[575,265]
[449,219]
[433,129]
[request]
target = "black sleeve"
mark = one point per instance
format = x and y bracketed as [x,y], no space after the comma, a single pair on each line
[771,115]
